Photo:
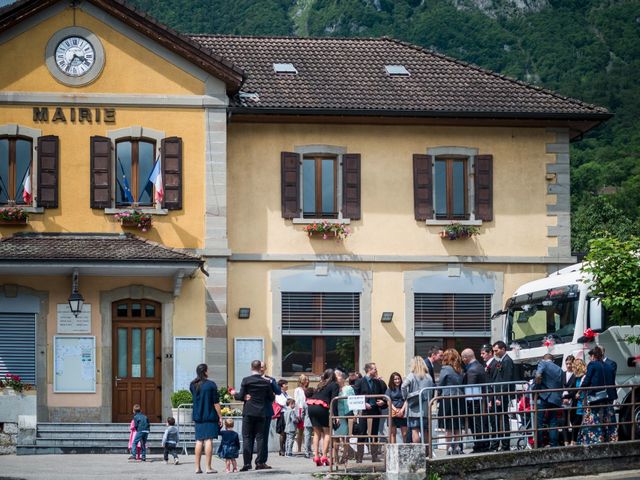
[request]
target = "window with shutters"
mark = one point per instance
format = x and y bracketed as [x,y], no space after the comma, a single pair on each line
[320,182]
[319,186]
[135,161]
[450,188]
[28,168]
[319,330]
[136,167]
[15,170]
[453,184]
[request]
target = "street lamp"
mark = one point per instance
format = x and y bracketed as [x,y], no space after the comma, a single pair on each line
[75,299]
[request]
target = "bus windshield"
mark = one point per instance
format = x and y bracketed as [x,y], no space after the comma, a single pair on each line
[547,313]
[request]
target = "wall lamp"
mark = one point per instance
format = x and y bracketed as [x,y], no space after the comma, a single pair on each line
[76,300]
[244,312]
[386,317]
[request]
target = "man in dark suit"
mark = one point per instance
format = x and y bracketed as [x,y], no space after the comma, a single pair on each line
[479,424]
[263,454]
[370,384]
[255,392]
[505,372]
[610,373]
[486,352]
[434,355]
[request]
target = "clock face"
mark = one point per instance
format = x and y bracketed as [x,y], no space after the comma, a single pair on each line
[75,56]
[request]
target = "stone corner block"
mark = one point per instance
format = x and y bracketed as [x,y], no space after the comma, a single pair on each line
[405,461]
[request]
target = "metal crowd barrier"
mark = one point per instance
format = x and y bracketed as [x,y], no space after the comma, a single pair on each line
[476,418]
[341,445]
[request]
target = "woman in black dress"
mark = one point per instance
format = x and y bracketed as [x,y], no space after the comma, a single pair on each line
[206,415]
[398,418]
[318,408]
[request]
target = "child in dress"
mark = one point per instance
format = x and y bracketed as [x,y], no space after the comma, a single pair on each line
[170,441]
[291,419]
[229,448]
[132,435]
[141,424]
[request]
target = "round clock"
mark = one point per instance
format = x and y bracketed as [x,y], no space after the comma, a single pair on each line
[74,56]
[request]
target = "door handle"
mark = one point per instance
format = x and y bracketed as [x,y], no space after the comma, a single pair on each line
[117,380]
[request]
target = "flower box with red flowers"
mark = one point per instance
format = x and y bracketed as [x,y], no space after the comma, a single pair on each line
[135,219]
[13,216]
[325,230]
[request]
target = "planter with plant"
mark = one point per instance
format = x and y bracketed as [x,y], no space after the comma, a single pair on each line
[13,216]
[455,231]
[325,230]
[135,219]
[12,384]
[182,415]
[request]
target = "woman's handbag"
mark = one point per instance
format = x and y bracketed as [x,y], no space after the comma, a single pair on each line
[599,396]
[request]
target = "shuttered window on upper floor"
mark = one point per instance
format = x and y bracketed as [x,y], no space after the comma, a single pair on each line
[452,314]
[18,346]
[320,313]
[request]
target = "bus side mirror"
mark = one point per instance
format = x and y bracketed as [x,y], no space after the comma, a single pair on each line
[595,314]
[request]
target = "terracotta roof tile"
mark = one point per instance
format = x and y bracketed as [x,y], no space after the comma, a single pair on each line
[350,74]
[88,247]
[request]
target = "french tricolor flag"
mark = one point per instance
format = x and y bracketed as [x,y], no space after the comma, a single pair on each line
[156,179]
[26,190]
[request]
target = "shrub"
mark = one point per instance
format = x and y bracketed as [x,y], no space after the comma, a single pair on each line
[181,397]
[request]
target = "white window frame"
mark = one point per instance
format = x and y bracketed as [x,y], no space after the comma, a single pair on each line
[134,132]
[329,150]
[470,154]
[15,130]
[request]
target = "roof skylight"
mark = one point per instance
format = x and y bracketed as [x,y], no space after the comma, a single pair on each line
[284,68]
[397,70]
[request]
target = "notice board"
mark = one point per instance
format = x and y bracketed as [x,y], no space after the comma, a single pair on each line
[245,351]
[188,353]
[74,364]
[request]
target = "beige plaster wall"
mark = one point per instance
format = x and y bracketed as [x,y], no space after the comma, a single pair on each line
[388,225]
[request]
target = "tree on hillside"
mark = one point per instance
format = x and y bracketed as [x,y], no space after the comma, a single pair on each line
[614,265]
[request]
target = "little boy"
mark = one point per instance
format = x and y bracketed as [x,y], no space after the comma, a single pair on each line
[291,419]
[170,441]
[141,423]
[308,428]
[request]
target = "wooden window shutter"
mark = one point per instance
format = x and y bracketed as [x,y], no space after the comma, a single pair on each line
[101,164]
[48,158]
[423,186]
[351,186]
[483,187]
[290,184]
[172,172]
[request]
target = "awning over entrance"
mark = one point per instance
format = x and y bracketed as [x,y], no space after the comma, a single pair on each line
[94,254]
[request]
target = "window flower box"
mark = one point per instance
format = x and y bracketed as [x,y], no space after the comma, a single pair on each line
[13,216]
[458,231]
[325,230]
[135,219]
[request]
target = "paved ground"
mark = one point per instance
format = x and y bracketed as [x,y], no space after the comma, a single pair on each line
[106,467]
[103,467]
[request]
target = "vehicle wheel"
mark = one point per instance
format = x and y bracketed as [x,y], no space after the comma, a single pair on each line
[627,413]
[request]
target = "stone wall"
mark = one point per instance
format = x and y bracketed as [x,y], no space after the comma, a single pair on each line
[8,437]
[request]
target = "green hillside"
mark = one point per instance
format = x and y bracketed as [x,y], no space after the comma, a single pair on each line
[581,48]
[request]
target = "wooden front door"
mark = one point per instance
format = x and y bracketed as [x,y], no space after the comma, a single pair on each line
[137,376]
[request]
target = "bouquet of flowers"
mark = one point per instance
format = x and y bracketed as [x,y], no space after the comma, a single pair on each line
[135,218]
[226,394]
[328,229]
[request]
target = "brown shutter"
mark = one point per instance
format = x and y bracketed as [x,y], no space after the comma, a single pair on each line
[483,188]
[351,186]
[100,172]
[48,155]
[172,172]
[290,184]
[423,186]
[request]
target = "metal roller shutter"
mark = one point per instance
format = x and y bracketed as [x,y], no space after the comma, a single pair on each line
[452,314]
[319,313]
[18,346]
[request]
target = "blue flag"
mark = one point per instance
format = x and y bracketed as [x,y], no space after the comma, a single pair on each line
[126,189]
